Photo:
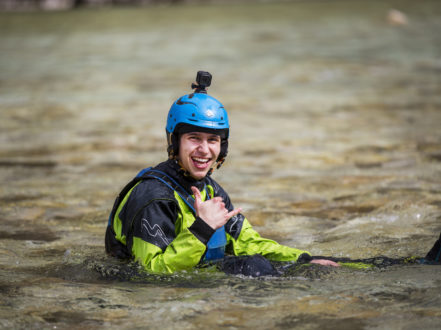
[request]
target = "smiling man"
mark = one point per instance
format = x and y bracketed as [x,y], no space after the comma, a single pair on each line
[175,216]
[198,152]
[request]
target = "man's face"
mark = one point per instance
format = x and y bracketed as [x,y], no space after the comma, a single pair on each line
[198,151]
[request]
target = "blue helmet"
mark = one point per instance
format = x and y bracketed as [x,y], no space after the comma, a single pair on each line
[197,112]
[200,110]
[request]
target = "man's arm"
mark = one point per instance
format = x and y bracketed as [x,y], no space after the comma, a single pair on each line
[157,245]
[244,240]
[249,242]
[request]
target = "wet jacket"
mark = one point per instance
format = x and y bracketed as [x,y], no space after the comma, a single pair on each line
[157,228]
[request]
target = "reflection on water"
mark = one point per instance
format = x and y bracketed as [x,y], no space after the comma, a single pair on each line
[335,148]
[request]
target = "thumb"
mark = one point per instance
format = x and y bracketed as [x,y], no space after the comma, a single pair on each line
[197,197]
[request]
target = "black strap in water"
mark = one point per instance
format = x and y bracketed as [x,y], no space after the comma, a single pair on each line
[433,257]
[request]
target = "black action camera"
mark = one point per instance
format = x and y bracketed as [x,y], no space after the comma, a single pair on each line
[203,80]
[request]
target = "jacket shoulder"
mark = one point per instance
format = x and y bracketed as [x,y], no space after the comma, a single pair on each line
[150,189]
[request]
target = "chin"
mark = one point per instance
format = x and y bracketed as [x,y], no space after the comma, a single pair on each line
[199,176]
[198,173]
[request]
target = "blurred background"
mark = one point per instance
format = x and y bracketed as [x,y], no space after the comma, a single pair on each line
[72,4]
[335,145]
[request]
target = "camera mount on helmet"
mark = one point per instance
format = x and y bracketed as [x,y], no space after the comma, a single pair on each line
[203,80]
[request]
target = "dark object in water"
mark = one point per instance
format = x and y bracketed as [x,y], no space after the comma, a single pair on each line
[253,266]
[435,253]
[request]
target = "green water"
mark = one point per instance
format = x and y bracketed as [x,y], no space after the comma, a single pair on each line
[335,148]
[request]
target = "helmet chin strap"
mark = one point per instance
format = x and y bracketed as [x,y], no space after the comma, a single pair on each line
[182,168]
[220,162]
[216,165]
[170,147]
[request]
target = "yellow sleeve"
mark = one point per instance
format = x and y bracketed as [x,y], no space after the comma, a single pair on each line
[249,242]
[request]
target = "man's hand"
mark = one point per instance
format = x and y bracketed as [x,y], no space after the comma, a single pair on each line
[324,262]
[212,211]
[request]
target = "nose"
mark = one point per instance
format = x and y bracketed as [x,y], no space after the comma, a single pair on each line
[203,146]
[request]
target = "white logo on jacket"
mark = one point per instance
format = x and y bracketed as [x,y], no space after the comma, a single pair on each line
[233,221]
[154,231]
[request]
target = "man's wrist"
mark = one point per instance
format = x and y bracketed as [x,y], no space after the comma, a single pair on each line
[201,230]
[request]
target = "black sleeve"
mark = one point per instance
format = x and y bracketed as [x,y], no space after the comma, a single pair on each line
[155,222]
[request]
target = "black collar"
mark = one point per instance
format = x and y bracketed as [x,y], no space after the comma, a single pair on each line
[173,169]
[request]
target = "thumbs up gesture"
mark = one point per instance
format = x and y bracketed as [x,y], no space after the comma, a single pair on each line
[212,211]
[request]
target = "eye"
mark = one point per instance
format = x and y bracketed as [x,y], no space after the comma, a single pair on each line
[194,137]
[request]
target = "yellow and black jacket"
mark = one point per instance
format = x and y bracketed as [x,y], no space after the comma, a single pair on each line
[153,223]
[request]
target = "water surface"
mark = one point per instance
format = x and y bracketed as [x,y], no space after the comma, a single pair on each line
[335,148]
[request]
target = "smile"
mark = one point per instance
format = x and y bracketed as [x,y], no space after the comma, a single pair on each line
[201,160]
[201,163]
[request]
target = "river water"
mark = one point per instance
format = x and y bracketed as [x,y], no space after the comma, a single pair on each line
[335,148]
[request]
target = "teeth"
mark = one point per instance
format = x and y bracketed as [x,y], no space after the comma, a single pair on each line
[201,160]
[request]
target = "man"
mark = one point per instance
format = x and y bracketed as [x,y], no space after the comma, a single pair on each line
[175,216]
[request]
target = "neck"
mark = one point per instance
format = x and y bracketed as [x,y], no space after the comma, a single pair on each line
[186,179]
